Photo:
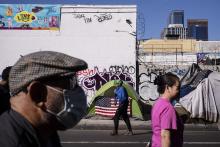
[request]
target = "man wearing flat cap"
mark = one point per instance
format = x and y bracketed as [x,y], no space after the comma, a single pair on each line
[45,97]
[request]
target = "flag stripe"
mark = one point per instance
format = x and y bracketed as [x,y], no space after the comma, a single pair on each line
[105,106]
[107,114]
[111,108]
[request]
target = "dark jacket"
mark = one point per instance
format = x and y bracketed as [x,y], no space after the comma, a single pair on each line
[4,99]
[16,131]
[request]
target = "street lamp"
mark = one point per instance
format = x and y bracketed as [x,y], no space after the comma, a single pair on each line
[131,33]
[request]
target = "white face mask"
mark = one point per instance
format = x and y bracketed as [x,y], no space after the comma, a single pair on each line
[75,105]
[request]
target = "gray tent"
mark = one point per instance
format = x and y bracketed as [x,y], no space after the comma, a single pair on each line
[202,95]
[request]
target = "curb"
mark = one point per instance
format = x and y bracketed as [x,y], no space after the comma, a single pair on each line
[109,125]
[201,127]
[88,124]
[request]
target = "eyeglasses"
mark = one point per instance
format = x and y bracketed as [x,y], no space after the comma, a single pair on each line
[72,84]
[68,83]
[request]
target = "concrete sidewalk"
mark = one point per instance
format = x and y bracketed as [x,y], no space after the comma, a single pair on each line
[91,124]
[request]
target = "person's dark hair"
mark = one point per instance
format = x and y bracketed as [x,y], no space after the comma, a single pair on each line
[168,79]
[5,73]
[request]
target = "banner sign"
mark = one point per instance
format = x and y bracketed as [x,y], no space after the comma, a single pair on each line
[29,17]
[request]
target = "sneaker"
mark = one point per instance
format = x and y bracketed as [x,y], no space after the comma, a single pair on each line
[129,133]
[113,133]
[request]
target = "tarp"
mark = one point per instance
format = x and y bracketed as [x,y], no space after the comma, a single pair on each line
[204,101]
[107,90]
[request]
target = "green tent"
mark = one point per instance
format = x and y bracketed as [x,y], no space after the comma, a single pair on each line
[108,91]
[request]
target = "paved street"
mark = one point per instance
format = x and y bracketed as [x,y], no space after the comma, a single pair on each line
[102,138]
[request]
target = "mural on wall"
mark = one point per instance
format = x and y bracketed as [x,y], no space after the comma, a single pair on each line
[29,17]
[92,79]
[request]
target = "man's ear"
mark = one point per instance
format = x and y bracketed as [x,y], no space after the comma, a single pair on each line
[38,92]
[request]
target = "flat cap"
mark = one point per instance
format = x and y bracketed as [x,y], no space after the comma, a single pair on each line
[40,65]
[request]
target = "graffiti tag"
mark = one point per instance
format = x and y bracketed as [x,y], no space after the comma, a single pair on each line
[82,16]
[122,69]
[103,17]
[94,79]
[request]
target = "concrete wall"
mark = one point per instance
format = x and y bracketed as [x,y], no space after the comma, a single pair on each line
[208,53]
[160,56]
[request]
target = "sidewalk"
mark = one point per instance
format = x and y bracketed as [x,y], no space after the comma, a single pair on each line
[91,124]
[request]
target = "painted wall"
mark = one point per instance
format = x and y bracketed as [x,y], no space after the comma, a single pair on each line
[158,56]
[104,36]
[148,73]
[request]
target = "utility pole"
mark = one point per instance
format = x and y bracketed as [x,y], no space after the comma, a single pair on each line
[137,66]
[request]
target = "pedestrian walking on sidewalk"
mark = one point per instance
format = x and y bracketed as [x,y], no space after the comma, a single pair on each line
[45,98]
[121,96]
[167,126]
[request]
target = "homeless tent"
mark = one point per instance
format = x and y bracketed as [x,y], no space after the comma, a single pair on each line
[107,91]
[200,94]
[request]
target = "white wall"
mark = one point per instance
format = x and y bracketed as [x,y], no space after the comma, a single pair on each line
[171,58]
[98,34]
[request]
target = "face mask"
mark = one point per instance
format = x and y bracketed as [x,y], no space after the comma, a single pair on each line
[75,104]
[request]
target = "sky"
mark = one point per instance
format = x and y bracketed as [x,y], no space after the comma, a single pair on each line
[153,14]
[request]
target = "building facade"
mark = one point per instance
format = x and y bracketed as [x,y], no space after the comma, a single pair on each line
[175,28]
[174,32]
[99,34]
[198,29]
[168,52]
[176,17]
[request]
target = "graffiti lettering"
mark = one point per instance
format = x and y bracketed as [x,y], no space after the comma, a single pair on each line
[122,69]
[103,17]
[82,16]
[95,79]
[79,16]
[87,72]
[99,79]
[147,89]
[88,20]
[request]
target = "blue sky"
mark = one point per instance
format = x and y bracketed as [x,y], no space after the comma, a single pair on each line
[154,13]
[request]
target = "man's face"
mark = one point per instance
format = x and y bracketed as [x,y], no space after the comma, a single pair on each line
[66,101]
[55,98]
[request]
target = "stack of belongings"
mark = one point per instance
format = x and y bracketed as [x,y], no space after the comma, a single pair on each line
[199,93]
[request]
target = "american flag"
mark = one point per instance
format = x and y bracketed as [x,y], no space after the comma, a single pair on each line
[105,106]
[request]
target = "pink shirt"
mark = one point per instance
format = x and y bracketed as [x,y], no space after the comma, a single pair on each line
[163,116]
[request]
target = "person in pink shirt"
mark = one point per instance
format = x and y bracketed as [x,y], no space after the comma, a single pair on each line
[167,127]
